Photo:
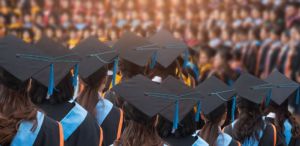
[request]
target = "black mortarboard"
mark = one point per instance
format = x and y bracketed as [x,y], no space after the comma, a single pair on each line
[133,91]
[57,59]
[171,47]
[181,98]
[135,49]
[95,53]
[280,87]
[22,69]
[250,88]
[215,92]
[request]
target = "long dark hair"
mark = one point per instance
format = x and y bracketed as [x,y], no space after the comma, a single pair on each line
[89,96]
[283,114]
[15,107]
[140,130]
[63,92]
[210,130]
[250,120]
[186,127]
[129,69]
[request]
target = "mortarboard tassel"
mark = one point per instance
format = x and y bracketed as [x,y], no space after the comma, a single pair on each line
[176,117]
[153,60]
[297,96]
[197,118]
[51,81]
[233,109]
[75,75]
[269,97]
[115,69]
[186,58]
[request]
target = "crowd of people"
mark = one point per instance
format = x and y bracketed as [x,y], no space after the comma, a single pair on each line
[122,72]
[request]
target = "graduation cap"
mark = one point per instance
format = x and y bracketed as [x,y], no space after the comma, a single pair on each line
[135,49]
[181,99]
[22,69]
[57,61]
[215,93]
[93,52]
[280,87]
[133,91]
[251,88]
[171,48]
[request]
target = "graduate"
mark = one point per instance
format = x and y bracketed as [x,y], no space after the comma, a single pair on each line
[250,127]
[108,116]
[147,91]
[282,90]
[21,123]
[141,112]
[52,90]
[214,110]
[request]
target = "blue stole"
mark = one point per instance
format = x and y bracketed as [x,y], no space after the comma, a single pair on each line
[252,141]
[200,142]
[287,131]
[223,139]
[73,120]
[25,136]
[103,108]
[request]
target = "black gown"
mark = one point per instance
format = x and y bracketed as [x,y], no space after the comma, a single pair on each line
[50,134]
[87,134]
[112,126]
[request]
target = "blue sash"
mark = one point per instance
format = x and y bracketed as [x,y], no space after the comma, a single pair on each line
[287,131]
[103,108]
[200,142]
[252,141]
[223,139]
[25,136]
[73,120]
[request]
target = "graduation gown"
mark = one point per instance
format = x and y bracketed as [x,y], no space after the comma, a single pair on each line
[47,132]
[285,135]
[111,120]
[79,127]
[268,136]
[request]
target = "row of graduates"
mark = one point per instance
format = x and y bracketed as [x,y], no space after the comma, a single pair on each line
[141,111]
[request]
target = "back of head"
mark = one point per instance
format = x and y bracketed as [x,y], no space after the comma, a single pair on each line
[213,122]
[129,69]
[14,107]
[63,92]
[140,130]
[89,96]
[250,120]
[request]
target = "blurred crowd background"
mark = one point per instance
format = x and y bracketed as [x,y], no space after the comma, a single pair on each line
[252,35]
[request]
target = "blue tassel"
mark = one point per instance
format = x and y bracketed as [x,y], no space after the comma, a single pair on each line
[176,116]
[153,60]
[233,109]
[76,68]
[115,69]
[51,80]
[197,118]
[269,97]
[186,58]
[297,96]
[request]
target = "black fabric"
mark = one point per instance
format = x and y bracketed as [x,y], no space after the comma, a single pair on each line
[184,141]
[49,134]
[294,142]
[87,134]
[110,126]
